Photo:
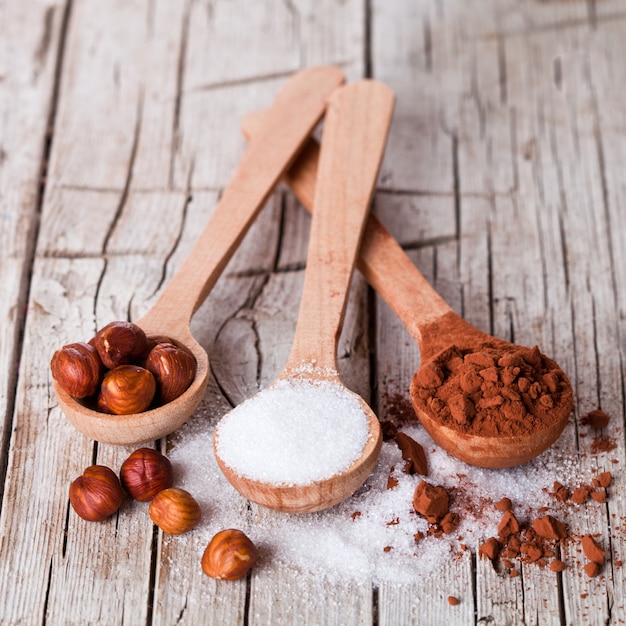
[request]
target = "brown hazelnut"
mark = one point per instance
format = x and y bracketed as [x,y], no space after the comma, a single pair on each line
[154,340]
[146,472]
[229,555]
[126,389]
[119,343]
[97,494]
[173,368]
[78,369]
[174,511]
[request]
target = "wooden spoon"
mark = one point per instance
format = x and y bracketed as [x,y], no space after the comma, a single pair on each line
[433,324]
[297,109]
[355,132]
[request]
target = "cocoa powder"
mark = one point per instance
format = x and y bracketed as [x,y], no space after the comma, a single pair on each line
[493,390]
[431,501]
[413,455]
[592,550]
[602,443]
[549,527]
[597,419]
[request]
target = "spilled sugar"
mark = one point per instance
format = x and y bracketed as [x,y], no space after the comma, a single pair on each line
[294,433]
[370,536]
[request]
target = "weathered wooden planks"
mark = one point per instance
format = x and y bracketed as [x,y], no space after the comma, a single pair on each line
[30,37]
[502,178]
[519,93]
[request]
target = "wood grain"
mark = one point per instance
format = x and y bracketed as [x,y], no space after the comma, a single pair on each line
[502,181]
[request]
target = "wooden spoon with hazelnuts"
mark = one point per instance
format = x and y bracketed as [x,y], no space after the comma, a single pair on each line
[292,117]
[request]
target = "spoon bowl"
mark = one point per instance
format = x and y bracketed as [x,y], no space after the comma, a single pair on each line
[316,495]
[147,425]
[294,114]
[434,326]
[355,131]
[504,442]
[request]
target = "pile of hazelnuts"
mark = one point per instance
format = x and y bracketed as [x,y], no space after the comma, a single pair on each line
[147,475]
[122,370]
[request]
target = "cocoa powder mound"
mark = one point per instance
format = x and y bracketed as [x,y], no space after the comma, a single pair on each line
[592,569]
[508,525]
[431,501]
[504,504]
[597,419]
[490,549]
[491,391]
[557,565]
[592,550]
[549,527]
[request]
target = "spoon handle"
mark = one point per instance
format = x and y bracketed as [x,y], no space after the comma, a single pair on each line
[382,261]
[296,110]
[353,141]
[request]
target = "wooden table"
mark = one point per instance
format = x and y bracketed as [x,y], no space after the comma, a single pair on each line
[503,180]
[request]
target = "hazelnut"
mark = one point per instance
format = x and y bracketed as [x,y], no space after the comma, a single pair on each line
[119,343]
[146,472]
[78,369]
[229,555]
[97,494]
[154,340]
[173,368]
[174,511]
[126,389]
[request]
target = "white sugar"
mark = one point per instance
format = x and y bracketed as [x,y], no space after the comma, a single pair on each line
[371,535]
[295,432]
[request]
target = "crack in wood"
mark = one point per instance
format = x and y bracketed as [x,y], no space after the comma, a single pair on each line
[46,601]
[591,20]
[66,526]
[558,73]
[597,133]
[129,173]
[178,96]
[154,563]
[46,38]
[246,80]
[502,77]
[30,252]
[368,71]
[490,290]
[596,351]
[182,611]
[428,45]
[187,201]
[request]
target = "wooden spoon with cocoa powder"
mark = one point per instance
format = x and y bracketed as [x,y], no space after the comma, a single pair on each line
[297,109]
[486,401]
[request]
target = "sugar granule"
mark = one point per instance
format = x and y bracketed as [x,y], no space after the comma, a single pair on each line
[340,543]
[294,433]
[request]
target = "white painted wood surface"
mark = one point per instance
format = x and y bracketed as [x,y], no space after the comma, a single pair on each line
[119,126]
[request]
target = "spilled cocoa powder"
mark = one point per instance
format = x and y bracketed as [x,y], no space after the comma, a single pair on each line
[602,443]
[597,419]
[433,503]
[537,540]
[493,391]
[537,543]
[413,455]
[596,490]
